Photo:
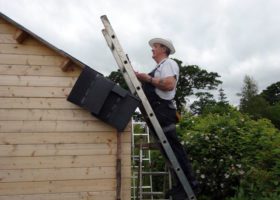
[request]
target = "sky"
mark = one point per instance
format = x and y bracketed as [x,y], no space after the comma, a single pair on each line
[231,37]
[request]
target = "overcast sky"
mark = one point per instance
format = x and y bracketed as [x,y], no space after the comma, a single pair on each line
[230,37]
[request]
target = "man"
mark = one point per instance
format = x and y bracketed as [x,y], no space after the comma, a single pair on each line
[160,88]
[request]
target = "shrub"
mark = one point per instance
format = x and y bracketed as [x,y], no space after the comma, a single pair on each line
[229,151]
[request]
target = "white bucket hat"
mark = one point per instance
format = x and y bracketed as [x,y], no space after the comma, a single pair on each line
[165,42]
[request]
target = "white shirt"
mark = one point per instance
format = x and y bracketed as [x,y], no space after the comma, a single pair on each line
[167,67]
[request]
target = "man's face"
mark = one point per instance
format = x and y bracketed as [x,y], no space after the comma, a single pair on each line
[157,50]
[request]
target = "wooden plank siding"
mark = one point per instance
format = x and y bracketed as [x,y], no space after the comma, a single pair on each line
[37,70]
[6,38]
[51,149]
[2,21]
[7,28]
[14,59]
[20,49]
[36,103]
[108,195]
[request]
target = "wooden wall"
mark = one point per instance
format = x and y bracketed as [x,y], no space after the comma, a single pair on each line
[50,149]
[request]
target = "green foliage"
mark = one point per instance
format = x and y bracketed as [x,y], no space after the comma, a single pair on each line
[207,104]
[222,97]
[117,77]
[273,113]
[249,90]
[256,107]
[264,105]
[272,93]
[230,151]
[193,78]
[158,164]
[218,108]
[241,195]
[205,99]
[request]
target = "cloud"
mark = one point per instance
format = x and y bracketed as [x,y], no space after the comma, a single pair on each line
[230,37]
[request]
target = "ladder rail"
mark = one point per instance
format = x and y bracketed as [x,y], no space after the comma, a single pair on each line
[137,194]
[134,186]
[135,86]
[140,178]
[146,137]
[149,156]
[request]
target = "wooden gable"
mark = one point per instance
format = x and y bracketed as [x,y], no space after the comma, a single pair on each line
[49,148]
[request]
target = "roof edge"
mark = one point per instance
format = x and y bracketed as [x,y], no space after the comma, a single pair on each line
[59,51]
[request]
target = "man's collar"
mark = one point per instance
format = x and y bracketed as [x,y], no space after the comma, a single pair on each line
[162,61]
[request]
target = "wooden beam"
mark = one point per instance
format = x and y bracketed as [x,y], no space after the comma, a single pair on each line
[66,63]
[20,35]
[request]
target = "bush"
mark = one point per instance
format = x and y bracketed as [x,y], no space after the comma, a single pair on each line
[230,152]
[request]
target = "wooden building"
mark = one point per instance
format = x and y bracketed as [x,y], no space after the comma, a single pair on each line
[51,149]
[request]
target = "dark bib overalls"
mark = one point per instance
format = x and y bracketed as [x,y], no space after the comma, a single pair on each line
[163,109]
[165,112]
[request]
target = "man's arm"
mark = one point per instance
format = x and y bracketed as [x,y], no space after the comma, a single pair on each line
[165,84]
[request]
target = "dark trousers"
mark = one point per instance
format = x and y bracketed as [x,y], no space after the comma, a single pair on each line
[166,116]
[181,156]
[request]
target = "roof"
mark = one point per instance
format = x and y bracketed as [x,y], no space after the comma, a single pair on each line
[59,51]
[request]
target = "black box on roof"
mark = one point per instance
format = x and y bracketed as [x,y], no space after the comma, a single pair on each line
[103,98]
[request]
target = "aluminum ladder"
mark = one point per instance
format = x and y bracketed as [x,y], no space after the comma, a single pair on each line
[145,107]
[142,162]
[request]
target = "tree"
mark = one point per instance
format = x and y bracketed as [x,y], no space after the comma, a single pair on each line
[191,78]
[222,97]
[220,107]
[117,77]
[256,107]
[272,93]
[205,100]
[264,105]
[248,91]
[273,114]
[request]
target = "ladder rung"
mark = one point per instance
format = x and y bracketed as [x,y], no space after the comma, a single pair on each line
[143,158]
[148,146]
[141,134]
[152,193]
[133,197]
[139,122]
[154,173]
[145,187]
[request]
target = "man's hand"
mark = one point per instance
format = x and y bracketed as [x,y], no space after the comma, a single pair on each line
[143,77]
